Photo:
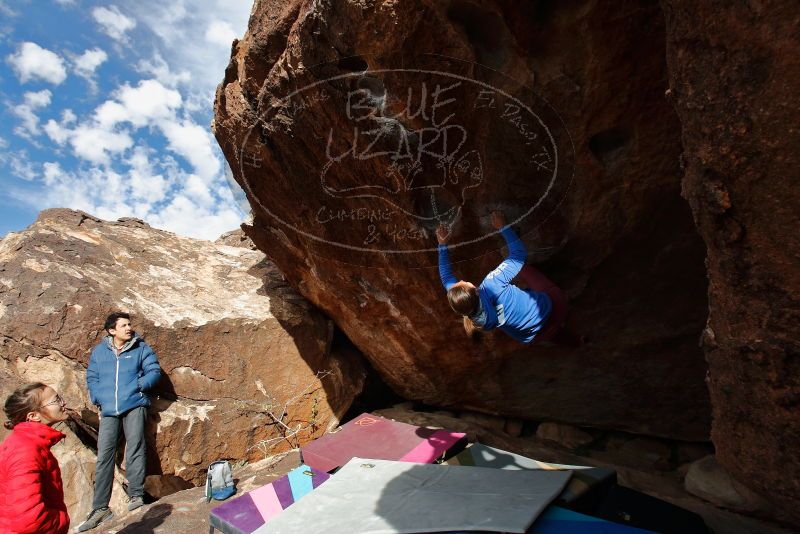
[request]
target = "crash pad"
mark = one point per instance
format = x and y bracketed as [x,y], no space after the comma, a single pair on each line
[585,479]
[380,497]
[556,520]
[249,511]
[630,507]
[372,436]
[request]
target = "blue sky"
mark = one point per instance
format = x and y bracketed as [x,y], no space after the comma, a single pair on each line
[106,107]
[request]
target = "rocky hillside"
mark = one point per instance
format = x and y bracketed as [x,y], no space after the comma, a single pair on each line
[356,127]
[249,369]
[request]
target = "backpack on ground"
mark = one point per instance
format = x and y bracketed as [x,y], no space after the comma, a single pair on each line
[219,481]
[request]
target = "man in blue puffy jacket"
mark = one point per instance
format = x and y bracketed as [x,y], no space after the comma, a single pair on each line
[122,369]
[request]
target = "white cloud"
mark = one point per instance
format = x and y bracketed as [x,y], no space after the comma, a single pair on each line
[96,144]
[178,22]
[100,137]
[29,125]
[31,62]
[22,166]
[146,184]
[51,171]
[87,63]
[7,10]
[65,2]
[79,191]
[139,105]
[89,141]
[38,99]
[110,195]
[177,181]
[182,213]
[199,191]
[64,189]
[57,132]
[68,116]
[194,144]
[157,67]
[221,33]
[113,23]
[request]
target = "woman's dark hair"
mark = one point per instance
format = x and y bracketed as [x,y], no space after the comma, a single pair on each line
[111,320]
[463,299]
[24,399]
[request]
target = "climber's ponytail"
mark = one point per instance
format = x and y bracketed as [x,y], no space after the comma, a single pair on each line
[473,332]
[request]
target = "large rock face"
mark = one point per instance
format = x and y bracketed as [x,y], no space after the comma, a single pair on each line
[248,364]
[734,74]
[349,171]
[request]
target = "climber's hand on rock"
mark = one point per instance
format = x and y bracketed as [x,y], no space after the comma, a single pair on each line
[442,233]
[498,220]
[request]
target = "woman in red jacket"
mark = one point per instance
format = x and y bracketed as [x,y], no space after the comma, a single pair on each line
[31,493]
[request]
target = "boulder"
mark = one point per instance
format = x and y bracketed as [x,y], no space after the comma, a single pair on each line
[514,427]
[733,75]
[565,435]
[489,421]
[248,365]
[352,146]
[643,453]
[709,480]
[651,452]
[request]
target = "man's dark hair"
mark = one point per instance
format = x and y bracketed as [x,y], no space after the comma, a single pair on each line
[111,320]
[463,299]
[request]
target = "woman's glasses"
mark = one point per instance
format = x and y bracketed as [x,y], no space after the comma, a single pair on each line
[56,400]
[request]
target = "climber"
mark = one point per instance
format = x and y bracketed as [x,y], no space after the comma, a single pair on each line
[536,313]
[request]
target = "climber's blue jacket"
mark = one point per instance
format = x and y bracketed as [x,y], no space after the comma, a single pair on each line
[520,314]
[118,383]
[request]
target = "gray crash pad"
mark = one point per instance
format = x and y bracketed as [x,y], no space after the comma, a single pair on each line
[382,497]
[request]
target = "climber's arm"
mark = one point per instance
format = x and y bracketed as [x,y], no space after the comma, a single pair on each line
[512,265]
[445,270]
[516,248]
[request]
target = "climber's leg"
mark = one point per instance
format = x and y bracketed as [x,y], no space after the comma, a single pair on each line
[537,281]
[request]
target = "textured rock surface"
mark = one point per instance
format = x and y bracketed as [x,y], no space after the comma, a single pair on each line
[566,435]
[612,230]
[734,74]
[708,480]
[238,345]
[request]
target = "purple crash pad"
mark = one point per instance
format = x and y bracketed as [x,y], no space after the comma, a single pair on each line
[246,513]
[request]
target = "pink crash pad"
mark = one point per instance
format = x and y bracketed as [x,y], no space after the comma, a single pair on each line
[372,436]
